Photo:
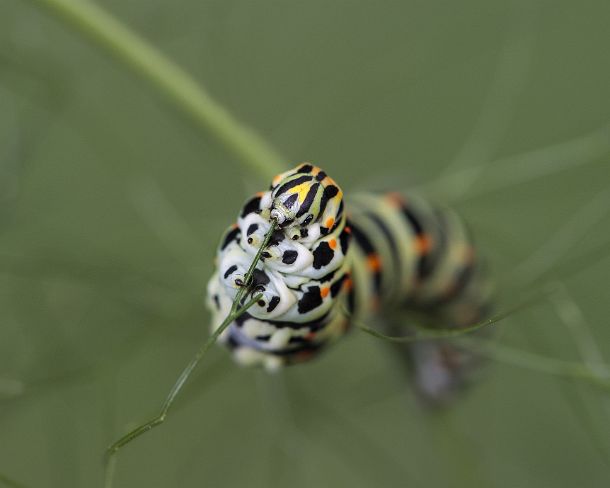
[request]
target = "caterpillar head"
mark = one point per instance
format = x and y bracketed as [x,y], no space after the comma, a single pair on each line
[304,196]
[281,254]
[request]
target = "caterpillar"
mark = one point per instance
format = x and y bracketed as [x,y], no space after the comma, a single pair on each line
[332,261]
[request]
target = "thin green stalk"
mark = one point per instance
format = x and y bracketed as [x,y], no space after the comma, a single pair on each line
[429,333]
[171,397]
[175,84]
[536,362]
[600,377]
[237,309]
[572,316]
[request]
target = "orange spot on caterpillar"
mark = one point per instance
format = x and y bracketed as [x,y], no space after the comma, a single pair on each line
[234,226]
[396,199]
[329,222]
[373,262]
[347,284]
[324,292]
[276,179]
[332,243]
[348,229]
[423,244]
[259,193]
[310,336]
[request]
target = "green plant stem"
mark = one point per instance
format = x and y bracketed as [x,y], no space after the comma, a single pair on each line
[237,309]
[423,334]
[175,84]
[171,397]
[536,362]
[432,333]
[598,376]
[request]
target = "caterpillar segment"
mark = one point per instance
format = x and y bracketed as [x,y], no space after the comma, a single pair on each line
[428,272]
[329,263]
[301,274]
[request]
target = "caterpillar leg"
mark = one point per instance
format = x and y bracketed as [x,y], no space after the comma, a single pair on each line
[440,370]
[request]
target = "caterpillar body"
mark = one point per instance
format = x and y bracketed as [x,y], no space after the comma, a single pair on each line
[330,262]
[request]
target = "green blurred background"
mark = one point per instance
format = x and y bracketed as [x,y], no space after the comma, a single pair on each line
[112,203]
